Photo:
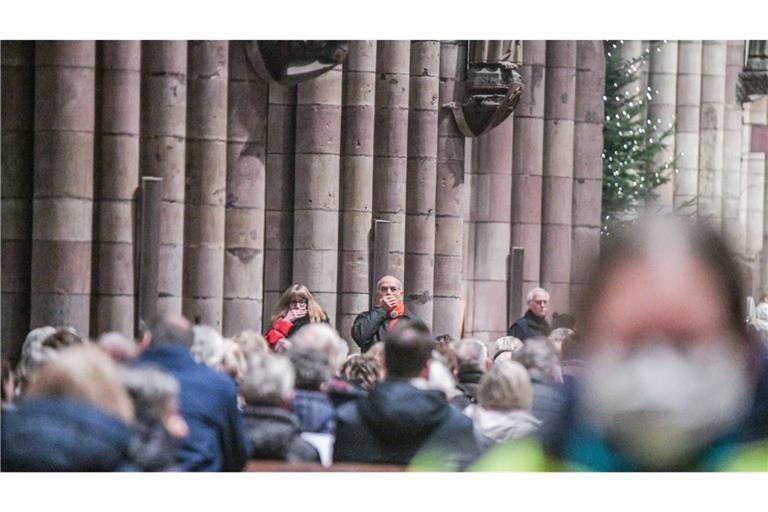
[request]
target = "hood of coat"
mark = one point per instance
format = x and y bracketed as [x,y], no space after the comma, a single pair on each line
[502,425]
[62,435]
[270,430]
[397,411]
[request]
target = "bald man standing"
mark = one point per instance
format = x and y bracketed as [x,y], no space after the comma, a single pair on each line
[371,326]
[533,323]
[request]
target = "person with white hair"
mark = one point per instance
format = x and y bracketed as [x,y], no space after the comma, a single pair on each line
[473,362]
[533,323]
[207,346]
[273,430]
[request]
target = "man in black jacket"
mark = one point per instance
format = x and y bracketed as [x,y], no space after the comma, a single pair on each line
[533,323]
[371,326]
[401,417]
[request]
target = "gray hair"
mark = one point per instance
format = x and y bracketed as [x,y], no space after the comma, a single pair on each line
[268,380]
[508,343]
[472,352]
[34,354]
[207,346]
[440,378]
[506,387]
[311,366]
[324,338]
[118,346]
[533,291]
[152,391]
[539,357]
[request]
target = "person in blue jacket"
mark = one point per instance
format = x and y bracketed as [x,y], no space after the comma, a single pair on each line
[216,441]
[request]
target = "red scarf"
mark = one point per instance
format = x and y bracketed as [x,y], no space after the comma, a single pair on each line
[394,314]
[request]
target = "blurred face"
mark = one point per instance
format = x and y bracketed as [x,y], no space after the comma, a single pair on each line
[390,287]
[298,304]
[539,303]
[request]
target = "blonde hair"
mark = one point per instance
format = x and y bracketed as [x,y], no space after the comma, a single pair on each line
[233,362]
[251,341]
[326,339]
[314,310]
[506,387]
[87,374]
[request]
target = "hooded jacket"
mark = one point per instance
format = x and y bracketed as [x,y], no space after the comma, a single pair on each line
[502,425]
[208,402]
[274,434]
[529,326]
[62,435]
[396,421]
[314,410]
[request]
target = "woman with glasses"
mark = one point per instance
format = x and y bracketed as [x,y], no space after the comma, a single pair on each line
[295,309]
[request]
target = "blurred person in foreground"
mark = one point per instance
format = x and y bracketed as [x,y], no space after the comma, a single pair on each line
[274,431]
[208,398]
[473,362]
[670,376]
[371,326]
[310,402]
[402,416]
[539,357]
[75,416]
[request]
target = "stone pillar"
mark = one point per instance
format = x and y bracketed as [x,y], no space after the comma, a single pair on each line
[559,111]
[17,155]
[468,236]
[711,133]
[356,182]
[527,161]
[390,145]
[278,228]
[316,203]
[491,213]
[163,131]
[587,165]
[687,126]
[449,195]
[732,177]
[421,180]
[117,179]
[755,197]
[63,184]
[662,81]
[206,182]
[247,98]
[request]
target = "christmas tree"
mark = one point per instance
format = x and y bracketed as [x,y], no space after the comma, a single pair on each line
[630,142]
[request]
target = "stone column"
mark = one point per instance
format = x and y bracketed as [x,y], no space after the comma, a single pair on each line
[755,197]
[687,127]
[163,131]
[527,161]
[247,98]
[491,213]
[711,133]
[63,184]
[206,182]
[117,178]
[356,182]
[662,81]
[421,180]
[559,111]
[449,195]
[17,155]
[390,145]
[316,203]
[587,165]
[278,228]
[732,177]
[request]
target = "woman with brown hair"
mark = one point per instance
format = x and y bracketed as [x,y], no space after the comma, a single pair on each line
[295,309]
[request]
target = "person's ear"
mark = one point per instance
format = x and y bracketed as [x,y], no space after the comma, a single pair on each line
[146,339]
[176,426]
[488,363]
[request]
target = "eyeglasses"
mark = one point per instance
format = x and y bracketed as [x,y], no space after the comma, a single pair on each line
[385,289]
[298,303]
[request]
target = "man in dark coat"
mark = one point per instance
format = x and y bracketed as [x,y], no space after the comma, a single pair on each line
[533,323]
[208,400]
[371,326]
[473,363]
[401,417]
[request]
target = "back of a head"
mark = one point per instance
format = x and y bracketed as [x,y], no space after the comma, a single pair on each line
[323,337]
[269,379]
[87,374]
[312,368]
[407,348]
[538,356]
[152,391]
[40,346]
[506,387]
[119,347]
[361,370]
[171,328]
[207,346]
[507,343]
[471,353]
[251,341]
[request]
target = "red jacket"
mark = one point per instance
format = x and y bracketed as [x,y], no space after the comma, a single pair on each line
[279,330]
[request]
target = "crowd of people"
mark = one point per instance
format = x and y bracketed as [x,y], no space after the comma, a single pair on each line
[660,371]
